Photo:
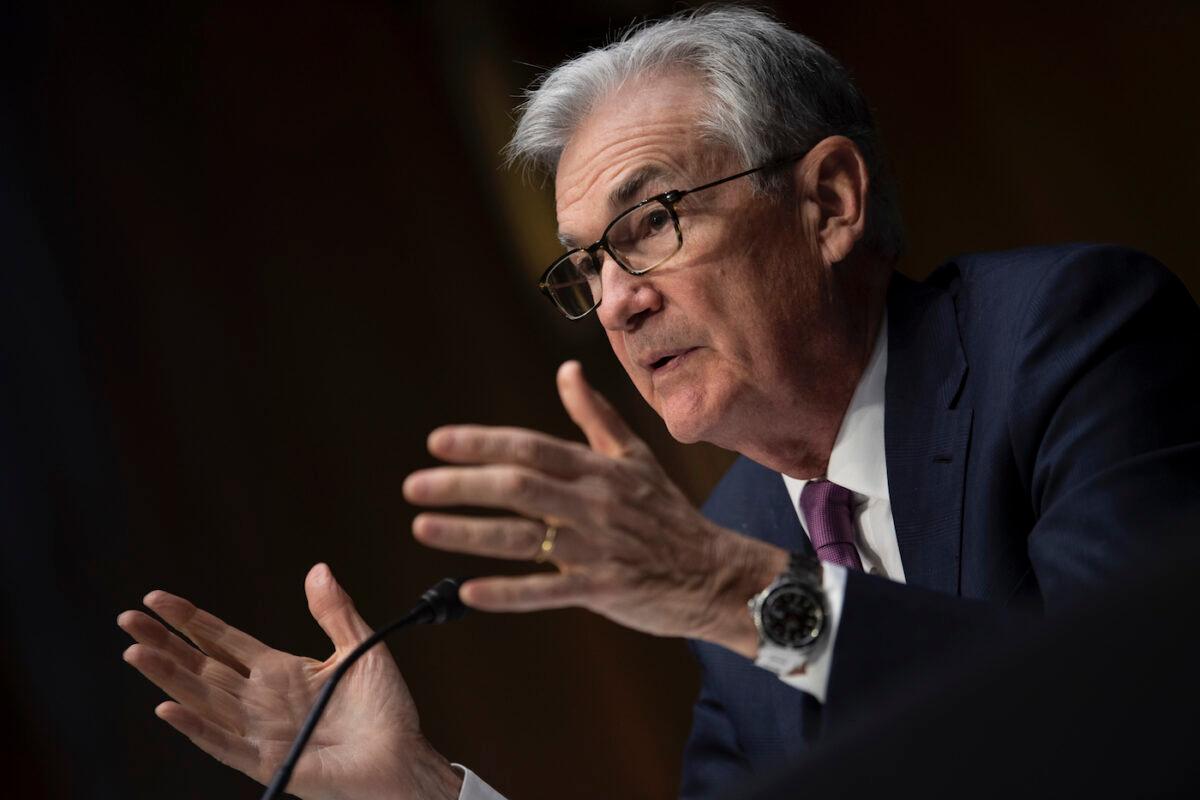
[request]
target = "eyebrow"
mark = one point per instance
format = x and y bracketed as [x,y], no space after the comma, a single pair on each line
[626,193]
[630,189]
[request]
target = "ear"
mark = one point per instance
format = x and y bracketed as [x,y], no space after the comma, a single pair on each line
[833,184]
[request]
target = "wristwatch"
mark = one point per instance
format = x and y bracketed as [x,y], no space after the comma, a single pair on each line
[790,615]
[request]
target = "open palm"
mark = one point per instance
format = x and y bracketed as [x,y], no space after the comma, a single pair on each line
[243,702]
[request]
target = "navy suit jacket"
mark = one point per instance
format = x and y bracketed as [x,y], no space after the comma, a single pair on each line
[1042,433]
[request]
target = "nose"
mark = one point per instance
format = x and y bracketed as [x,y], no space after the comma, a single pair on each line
[625,300]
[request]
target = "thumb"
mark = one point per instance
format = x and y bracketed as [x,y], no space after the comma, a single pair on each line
[333,609]
[606,432]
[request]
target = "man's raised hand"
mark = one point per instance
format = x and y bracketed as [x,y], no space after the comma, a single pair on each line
[629,544]
[243,702]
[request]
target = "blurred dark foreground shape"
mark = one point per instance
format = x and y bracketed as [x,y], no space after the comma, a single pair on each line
[1099,703]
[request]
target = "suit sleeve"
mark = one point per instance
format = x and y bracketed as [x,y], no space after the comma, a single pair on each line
[1105,408]
[713,757]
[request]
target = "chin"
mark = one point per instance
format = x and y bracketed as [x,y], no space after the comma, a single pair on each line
[689,416]
[684,434]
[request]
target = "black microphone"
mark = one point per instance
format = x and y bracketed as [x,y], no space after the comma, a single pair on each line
[438,604]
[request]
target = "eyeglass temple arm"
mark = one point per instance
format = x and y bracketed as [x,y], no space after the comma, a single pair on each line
[679,194]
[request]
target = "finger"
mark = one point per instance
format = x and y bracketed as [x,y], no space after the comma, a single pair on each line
[528,493]
[498,537]
[601,424]
[228,748]
[149,631]
[223,642]
[184,686]
[527,593]
[333,609]
[480,444]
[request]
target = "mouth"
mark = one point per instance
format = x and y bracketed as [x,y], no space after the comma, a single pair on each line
[667,361]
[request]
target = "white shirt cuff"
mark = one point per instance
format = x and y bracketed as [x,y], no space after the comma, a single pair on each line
[815,678]
[473,788]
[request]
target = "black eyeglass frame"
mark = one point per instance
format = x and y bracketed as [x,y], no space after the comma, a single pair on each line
[668,199]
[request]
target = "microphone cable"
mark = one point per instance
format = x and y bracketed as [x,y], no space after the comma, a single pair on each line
[437,605]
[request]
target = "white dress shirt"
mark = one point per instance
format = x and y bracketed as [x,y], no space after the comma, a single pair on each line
[856,462]
[473,787]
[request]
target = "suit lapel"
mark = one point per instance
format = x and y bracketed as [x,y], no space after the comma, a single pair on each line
[927,432]
[764,510]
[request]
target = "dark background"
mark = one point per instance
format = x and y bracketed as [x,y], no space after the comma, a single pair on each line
[251,253]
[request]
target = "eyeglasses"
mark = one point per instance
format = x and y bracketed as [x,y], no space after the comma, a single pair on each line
[638,240]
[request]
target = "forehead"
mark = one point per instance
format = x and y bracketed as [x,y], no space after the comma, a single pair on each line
[645,132]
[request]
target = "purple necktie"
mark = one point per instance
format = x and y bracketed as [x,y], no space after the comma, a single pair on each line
[830,519]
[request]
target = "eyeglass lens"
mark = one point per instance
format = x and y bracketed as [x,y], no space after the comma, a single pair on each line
[574,283]
[641,239]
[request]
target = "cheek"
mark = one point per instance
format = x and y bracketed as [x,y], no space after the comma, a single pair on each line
[732,315]
[742,286]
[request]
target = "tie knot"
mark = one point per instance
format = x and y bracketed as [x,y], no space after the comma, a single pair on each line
[821,494]
[828,513]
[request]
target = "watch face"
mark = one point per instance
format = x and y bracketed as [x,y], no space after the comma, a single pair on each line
[792,616]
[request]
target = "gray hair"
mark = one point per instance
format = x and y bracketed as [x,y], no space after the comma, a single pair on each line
[773,92]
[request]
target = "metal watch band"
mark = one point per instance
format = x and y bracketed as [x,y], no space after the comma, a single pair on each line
[803,569]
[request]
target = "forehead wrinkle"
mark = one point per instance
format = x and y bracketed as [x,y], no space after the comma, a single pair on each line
[627,193]
[620,155]
[623,154]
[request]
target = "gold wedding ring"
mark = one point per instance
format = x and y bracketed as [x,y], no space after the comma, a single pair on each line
[547,546]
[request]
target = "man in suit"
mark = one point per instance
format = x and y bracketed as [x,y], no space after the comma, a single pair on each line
[1037,450]
[999,436]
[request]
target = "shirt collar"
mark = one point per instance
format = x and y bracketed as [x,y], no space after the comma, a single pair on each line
[857,460]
